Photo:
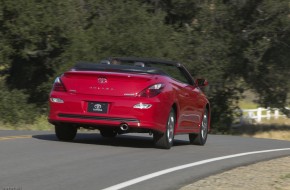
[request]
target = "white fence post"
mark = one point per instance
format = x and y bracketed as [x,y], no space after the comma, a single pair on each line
[276,113]
[259,115]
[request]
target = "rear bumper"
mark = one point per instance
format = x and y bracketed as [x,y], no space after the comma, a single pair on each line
[74,109]
[94,120]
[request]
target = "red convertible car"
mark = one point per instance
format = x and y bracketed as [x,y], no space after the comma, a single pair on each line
[124,95]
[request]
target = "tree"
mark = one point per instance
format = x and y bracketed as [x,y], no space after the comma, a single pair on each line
[231,41]
[267,54]
[35,34]
[126,28]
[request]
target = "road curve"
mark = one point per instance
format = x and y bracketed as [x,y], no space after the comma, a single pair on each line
[36,160]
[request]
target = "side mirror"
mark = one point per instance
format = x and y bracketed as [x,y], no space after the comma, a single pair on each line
[201,82]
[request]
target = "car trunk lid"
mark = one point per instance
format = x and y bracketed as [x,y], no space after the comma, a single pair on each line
[105,83]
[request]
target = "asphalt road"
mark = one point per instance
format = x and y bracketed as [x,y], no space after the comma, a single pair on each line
[36,160]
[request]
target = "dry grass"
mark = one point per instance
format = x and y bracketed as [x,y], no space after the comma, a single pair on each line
[271,129]
[279,135]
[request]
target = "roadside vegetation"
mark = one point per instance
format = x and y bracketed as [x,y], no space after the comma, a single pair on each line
[39,124]
[270,129]
[236,45]
[273,128]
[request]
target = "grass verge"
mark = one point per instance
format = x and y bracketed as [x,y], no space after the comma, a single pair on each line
[40,124]
[272,129]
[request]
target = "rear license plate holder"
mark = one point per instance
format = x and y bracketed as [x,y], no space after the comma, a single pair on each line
[97,107]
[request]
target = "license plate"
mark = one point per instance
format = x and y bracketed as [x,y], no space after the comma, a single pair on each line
[98,107]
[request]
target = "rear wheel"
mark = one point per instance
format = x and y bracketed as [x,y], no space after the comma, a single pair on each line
[108,133]
[165,140]
[65,132]
[201,137]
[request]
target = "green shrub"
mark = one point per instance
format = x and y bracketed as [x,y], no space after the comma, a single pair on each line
[14,107]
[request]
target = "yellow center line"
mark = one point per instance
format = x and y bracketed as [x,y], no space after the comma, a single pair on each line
[15,137]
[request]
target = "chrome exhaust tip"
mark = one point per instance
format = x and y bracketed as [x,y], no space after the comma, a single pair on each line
[124,126]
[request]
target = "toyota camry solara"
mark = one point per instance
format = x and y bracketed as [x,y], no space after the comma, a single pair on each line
[124,95]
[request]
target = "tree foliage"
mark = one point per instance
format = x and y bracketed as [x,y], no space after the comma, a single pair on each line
[229,42]
[36,33]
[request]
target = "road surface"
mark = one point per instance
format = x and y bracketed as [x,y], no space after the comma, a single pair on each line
[36,160]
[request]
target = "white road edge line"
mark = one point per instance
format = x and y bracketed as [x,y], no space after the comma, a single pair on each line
[169,170]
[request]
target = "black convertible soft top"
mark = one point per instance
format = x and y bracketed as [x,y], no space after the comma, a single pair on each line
[127,64]
[86,66]
[144,60]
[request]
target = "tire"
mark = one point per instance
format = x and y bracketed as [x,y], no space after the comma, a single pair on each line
[201,137]
[165,140]
[65,132]
[107,133]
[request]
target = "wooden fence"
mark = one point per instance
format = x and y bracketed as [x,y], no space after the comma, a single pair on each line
[257,115]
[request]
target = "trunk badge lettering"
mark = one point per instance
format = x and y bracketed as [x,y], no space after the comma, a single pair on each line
[100,88]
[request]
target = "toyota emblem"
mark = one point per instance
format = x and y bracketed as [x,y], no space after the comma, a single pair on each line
[102,80]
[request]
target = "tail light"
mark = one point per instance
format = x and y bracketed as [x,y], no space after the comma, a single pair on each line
[151,91]
[58,86]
